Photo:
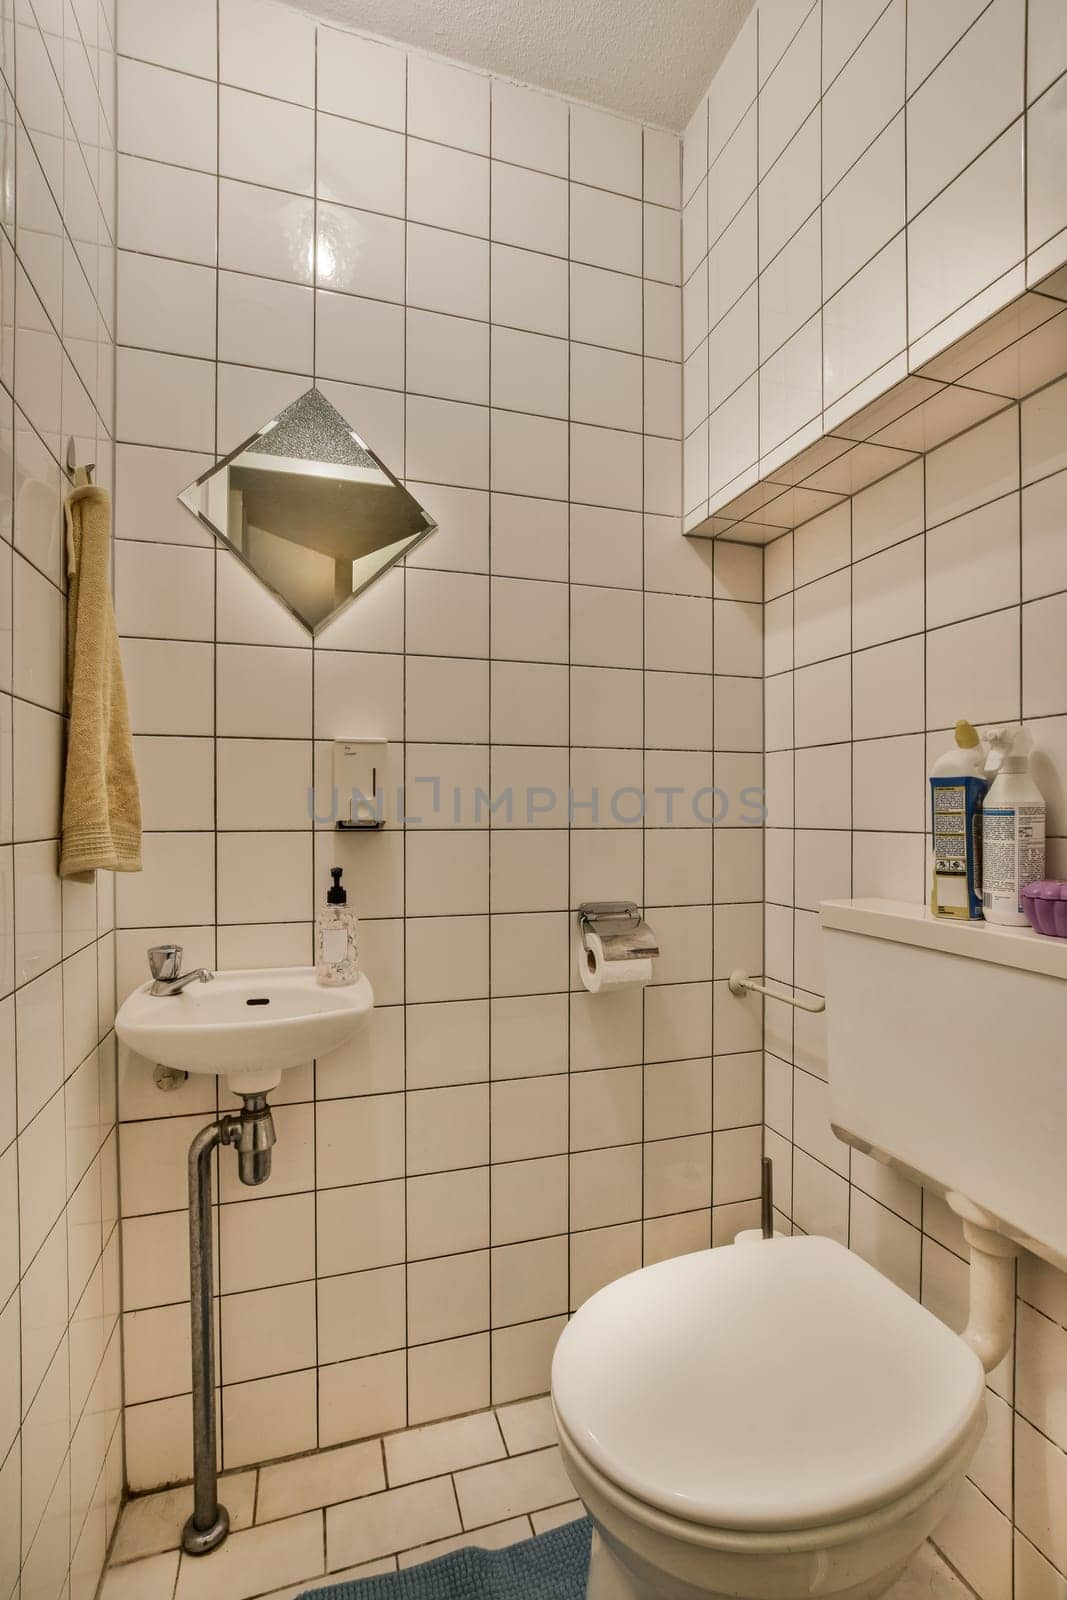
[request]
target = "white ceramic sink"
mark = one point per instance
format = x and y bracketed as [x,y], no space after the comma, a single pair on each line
[247,1027]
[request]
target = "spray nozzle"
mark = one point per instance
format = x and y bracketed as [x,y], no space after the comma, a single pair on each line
[1009,748]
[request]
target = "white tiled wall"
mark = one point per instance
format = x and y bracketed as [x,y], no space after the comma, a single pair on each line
[939,593]
[60,1394]
[486,280]
[855,197]
[489,282]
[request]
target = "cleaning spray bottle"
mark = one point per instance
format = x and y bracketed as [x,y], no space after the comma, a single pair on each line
[957,786]
[1013,827]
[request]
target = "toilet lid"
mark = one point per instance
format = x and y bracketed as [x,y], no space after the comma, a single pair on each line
[773,1385]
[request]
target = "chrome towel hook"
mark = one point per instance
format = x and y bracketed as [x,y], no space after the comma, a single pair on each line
[72,460]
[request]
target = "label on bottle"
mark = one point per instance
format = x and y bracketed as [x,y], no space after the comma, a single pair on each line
[956,807]
[1013,855]
[334,945]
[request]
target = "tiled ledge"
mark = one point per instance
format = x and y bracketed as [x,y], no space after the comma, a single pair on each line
[1016,351]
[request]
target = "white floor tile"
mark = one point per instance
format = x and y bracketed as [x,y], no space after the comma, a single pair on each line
[154,1522]
[249,1561]
[506,1489]
[366,1569]
[527,1426]
[151,1579]
[322,1479]
[369,1569]
[383,1524]
[442,1447]
[556,1516]
[497,1537]
[929,1578]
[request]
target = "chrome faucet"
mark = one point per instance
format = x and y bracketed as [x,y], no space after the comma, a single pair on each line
[165,961]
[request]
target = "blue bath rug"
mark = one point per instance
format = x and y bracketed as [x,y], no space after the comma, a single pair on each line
[554,1566]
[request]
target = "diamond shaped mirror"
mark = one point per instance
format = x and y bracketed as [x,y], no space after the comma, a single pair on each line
[310,509]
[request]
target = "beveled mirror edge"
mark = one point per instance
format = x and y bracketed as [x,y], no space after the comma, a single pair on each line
[222,540]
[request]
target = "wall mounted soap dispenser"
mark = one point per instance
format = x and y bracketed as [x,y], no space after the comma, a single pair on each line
[359,783]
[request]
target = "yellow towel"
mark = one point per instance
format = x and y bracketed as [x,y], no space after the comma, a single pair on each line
[101,800]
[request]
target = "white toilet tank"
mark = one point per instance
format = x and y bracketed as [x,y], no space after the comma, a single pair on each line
[947,1053]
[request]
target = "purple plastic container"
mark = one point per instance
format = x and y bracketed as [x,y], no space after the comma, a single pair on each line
[1045,903]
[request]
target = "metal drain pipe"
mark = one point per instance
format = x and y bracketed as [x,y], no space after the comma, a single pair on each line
[766,1206]
[252,1132]
[255,1140]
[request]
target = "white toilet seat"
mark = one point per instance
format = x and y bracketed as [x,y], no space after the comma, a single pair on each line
[773,1387]
[642,1553]
[761,1544]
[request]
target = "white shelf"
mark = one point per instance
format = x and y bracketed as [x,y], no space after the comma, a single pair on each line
[904,923]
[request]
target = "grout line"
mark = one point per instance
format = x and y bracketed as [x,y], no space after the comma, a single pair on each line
[490,700]
[316,876]
[455,1496]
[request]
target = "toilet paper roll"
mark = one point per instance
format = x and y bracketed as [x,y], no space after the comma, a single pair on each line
[599,970]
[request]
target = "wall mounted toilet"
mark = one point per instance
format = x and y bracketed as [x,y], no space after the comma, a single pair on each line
[776,1420]
[768,1420]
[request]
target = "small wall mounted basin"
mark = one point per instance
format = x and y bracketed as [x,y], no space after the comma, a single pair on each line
[247,1027]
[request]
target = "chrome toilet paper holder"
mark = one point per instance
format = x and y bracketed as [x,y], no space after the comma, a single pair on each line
[621,927]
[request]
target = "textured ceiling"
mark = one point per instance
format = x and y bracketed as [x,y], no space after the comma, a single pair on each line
[648,58]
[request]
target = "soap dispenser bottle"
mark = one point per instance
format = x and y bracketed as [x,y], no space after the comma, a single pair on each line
[336,951]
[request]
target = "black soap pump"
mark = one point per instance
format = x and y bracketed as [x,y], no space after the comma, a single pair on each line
[336,949]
